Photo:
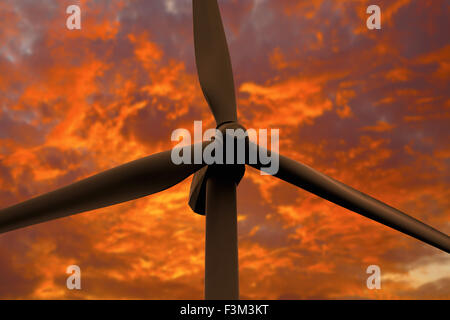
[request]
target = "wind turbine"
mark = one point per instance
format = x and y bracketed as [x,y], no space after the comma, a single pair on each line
[213,188]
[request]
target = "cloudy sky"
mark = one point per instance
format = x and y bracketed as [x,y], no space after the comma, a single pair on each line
[369,108]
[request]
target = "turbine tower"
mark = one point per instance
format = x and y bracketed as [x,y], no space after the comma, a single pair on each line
[213,188]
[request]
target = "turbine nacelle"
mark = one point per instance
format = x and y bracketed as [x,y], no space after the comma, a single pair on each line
[229,136]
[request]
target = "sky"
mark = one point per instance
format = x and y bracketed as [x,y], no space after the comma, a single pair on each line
[370,108]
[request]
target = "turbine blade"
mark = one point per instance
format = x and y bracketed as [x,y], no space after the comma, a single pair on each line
[334,191]
[213,61]
[127,182]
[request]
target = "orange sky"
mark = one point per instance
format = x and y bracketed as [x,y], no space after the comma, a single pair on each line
[369,108]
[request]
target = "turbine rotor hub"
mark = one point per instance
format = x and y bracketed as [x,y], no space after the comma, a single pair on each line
[234,170]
